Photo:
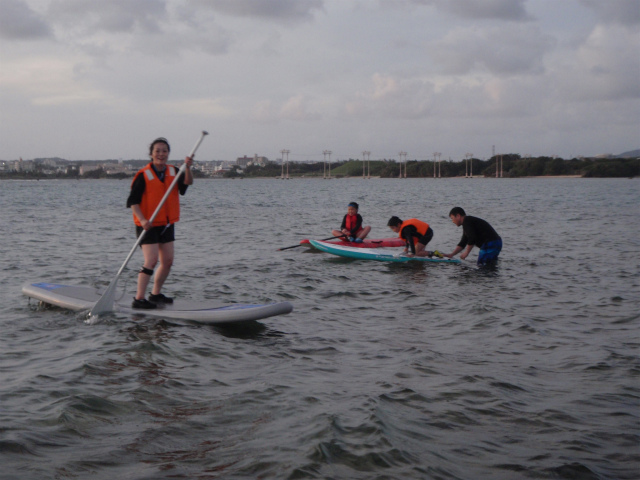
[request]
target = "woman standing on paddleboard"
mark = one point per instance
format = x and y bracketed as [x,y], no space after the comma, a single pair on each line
[147,190]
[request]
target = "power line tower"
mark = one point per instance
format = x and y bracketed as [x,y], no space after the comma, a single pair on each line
[285,152]
[324,163]
[468,158]
[403,154]
[366,153]
[328,152]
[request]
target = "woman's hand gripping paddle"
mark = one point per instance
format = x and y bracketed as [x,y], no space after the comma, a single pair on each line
[299,245]
[105,303]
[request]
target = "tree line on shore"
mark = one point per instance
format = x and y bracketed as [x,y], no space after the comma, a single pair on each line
[509,166]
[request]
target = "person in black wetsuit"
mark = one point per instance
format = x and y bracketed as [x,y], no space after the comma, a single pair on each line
[416,233]
[475,232]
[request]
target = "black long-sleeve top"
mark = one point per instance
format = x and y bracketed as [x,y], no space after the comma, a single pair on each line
[477,232]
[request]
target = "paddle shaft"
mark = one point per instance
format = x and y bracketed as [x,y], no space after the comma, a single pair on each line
[323,240]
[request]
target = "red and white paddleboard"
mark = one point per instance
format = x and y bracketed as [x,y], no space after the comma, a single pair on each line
[366,243]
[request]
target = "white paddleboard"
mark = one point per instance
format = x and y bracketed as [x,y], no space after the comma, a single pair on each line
[79,298]
[378,254]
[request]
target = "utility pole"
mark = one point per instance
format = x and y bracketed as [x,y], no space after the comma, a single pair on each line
[285,152]
[328,152]
[363,155]
[367,154]
[324,163]
[470,157]
[439,165]
[435,156]
[400,154]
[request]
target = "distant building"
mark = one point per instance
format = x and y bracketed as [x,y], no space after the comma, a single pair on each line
[113,169]
[49,162]
[255,160]
[84,168]
[24,165]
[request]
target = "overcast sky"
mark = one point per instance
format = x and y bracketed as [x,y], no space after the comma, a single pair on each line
[87,79]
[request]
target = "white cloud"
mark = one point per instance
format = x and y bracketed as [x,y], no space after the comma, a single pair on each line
[624,12]
[597,74]
[512,10]
[507,49]
[204,107]
[393,96]
[297,108]
[19,22]
[90,16]
[277,10]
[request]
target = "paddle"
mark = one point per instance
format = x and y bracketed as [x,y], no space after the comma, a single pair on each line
[299,245]
[105,303]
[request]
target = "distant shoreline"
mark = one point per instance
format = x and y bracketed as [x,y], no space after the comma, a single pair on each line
[300,177]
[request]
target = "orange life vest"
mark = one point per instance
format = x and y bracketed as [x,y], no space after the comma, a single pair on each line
[421,226]
[154,190]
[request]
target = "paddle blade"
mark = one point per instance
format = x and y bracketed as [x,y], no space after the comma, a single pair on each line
[105,303]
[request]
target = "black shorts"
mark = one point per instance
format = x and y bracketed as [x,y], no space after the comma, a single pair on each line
[164,234]
[426,238]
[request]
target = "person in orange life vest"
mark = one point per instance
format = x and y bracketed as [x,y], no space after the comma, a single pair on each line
[351,226]
[147,189]
[416,233]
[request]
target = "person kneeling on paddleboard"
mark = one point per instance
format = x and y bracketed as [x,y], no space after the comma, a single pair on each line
[147,190]
[416,233]
[351,228]
[475,231]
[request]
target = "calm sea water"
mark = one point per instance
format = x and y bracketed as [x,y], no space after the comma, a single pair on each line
[383,371]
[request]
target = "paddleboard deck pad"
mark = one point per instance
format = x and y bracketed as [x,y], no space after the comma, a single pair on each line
[366,243]
[79,298]
[374,254]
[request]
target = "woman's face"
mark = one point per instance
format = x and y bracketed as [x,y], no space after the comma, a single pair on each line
[160,154]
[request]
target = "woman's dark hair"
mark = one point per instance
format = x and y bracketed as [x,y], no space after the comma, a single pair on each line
[394,222]
[158,140]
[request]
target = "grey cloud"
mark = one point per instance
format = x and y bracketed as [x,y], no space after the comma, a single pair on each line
[501,51]
[19,22]
[111,15]
[511,10]
[278,10]
[623,12]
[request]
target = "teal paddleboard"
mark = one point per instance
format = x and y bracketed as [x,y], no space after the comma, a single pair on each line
[374,254]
